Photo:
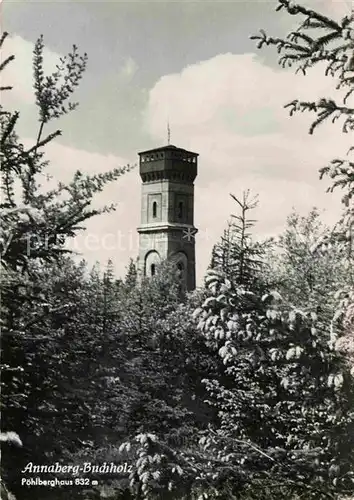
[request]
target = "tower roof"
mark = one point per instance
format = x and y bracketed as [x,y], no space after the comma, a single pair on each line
[168,147]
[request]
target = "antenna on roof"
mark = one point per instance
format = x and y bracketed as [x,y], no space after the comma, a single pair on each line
[168,133]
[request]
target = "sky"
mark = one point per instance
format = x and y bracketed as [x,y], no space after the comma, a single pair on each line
[192,64]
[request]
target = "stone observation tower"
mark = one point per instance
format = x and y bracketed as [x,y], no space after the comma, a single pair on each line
[167,211]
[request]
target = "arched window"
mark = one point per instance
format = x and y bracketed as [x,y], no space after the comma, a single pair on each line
[154,209]
[180,210]
[152,269]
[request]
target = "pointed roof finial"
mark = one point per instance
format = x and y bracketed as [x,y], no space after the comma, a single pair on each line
[168,133]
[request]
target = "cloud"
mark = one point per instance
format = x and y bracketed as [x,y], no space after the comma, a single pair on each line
[111,235]
[230,109]
[129,68]
[334,8]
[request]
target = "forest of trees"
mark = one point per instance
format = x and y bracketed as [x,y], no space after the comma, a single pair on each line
[242,389]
